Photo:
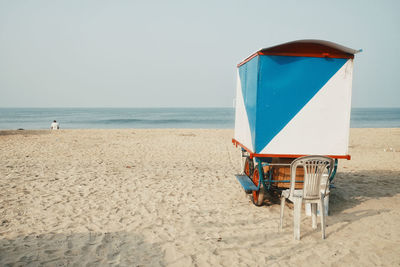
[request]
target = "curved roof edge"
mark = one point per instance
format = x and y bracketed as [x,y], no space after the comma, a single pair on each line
[306,48]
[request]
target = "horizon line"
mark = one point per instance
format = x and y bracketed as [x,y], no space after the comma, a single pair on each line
[66,107]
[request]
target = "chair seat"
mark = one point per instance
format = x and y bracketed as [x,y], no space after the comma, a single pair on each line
[296,193]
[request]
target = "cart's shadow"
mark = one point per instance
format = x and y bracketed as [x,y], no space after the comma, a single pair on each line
[353,188]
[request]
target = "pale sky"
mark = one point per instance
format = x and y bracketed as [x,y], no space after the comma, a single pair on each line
[179,53]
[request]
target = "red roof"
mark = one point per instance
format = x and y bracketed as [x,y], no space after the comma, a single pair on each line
[306,48]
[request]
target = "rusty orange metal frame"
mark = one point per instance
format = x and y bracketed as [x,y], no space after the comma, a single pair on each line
[252,154]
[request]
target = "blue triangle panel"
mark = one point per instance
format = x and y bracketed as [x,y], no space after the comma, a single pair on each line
[248,74]
[285,86]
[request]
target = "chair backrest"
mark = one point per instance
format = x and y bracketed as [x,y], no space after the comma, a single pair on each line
[314,168]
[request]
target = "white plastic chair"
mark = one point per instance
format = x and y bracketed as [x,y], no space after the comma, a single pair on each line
[314,168]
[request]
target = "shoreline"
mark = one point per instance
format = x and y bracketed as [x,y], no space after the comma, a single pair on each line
[116,129]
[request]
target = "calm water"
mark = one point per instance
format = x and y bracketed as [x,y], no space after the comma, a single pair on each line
[111,118]
[103,118]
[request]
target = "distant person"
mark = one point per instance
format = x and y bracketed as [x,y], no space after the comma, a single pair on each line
[54,125]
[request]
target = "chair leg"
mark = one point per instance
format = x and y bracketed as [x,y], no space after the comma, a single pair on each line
[314,215]
[297,217]
[322,215]
[282,209]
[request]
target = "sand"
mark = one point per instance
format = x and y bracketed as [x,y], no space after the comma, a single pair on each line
[170,198]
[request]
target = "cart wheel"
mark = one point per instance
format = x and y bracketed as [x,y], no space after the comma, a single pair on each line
[258,196]
[249,167]
[248,170]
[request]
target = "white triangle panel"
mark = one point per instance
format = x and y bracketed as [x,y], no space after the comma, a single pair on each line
[242,127]
[322,126]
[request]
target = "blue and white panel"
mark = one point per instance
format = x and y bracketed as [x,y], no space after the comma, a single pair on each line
[285,85]
[321,124]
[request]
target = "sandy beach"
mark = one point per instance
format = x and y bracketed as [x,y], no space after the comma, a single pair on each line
[169,198]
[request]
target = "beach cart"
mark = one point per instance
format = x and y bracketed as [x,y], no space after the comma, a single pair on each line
[292,100]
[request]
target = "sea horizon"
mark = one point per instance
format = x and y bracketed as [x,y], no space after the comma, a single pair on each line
[161,117]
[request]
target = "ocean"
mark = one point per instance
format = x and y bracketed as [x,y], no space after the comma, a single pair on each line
[118,118]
